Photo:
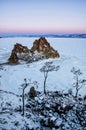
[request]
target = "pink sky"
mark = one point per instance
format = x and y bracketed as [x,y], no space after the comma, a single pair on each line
[47,16]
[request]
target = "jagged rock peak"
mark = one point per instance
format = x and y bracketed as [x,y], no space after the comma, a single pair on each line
[18,48]
[43,46]
[40,45]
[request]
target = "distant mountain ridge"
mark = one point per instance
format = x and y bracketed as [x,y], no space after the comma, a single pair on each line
[44,35]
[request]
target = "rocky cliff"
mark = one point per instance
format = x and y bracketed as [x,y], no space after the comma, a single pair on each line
[41,49]
[43,46]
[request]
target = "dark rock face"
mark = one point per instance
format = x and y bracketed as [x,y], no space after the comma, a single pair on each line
[13,58]
[41,49]
[32,93]
[18,48]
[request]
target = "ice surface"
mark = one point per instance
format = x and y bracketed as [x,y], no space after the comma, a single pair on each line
[72,52]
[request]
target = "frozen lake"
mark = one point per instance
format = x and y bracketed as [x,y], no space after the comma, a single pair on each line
[72,50]
[72,54]
[65,46]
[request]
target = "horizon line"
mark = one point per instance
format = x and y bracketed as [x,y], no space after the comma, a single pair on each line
[40,33]
[79,35]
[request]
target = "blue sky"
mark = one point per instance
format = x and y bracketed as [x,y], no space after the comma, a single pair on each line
[43,16]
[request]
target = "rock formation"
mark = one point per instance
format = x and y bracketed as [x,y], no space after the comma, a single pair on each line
[41,49]
[17,51]
[42,46]
[13,58]
[18,48]
[32,93]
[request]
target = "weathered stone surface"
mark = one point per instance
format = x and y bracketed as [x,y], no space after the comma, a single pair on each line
[32,93]
[13,58]
[42,46]
[18,49]
[41,49]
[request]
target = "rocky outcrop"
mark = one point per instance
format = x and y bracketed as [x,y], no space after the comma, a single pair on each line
[18,48]
[32,93]
[17,51]
[42,46]
[13,58]
[41,49]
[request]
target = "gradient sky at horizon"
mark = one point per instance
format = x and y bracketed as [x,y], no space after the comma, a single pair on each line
[42,16]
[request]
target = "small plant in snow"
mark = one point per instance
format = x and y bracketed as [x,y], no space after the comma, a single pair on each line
[48,67]
[79,83]
[0,79]
[24,86]
[70,91]
[0,75]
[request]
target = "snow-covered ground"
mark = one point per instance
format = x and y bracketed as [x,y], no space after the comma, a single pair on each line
[72,54]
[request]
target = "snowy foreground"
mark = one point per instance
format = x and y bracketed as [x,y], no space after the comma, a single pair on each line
[59,109]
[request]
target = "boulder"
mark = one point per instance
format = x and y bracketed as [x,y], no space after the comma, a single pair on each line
[32,92]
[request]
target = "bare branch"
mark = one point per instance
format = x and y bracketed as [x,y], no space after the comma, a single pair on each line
[78,84]
[48,67]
